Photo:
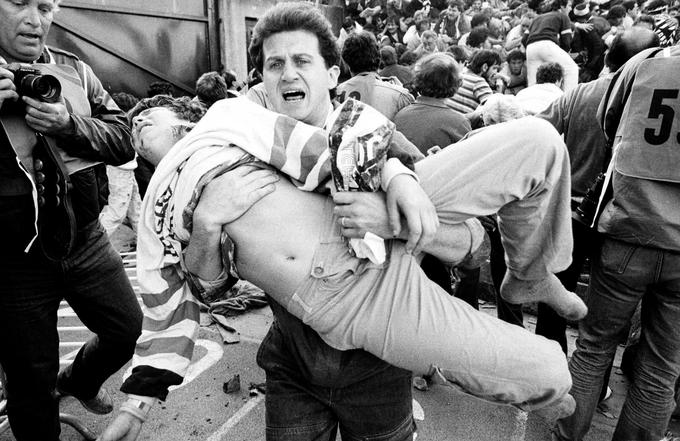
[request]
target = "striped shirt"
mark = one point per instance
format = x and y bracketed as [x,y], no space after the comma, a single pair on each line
[473,92]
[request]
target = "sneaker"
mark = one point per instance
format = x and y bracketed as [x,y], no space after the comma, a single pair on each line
[101,404]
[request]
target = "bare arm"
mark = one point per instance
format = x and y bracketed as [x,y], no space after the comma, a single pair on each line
[224,200]
[368,212]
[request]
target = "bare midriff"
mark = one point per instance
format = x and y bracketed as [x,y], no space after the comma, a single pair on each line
[276,239]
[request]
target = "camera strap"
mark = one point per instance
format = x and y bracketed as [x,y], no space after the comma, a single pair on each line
[56,225]
[56,218]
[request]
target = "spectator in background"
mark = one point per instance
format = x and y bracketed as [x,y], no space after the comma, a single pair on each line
[430,44]
[515,72]
[437,78]
[124,203]
[460,54]
[388,59]
[513,39]
[588,44]
[234,86]
[452,23]
[361,55]
[210,87]
[479,20]
[632,13]
[159,88]
[549,40]
[392,31]
[421,23]
[475,88]
[479,38]
[547,89]
[665,26]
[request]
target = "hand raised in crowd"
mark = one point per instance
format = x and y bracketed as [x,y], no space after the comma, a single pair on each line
[125,427]
[229,196]
[406,197]
[48,118]
[7,88]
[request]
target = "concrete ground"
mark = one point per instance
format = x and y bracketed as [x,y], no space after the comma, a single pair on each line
[201,410]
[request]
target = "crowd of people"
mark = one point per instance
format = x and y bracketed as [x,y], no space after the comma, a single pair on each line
[351,178]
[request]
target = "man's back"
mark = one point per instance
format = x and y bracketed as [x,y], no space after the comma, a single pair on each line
[444,125]
[381,94]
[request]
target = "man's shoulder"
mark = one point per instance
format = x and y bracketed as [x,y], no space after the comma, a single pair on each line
[61,56]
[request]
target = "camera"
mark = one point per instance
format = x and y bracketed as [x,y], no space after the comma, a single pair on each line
[33,83]
[586,210]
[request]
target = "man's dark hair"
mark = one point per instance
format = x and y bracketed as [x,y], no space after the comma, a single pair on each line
[459,53]
[616,12]
[482,57]
[408,58]
[211,87]
[628,4]
[457,4]
[124,100]
[361,52]
[229,78]
[388,56]
[479,19]
[437,76]
[627,44]
[645,18]
[286,17]
[477,37]
[549,73]
[516,55]
[184,107]
[159,88]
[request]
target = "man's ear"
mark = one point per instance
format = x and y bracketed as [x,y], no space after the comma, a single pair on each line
[485,67]
[333,75]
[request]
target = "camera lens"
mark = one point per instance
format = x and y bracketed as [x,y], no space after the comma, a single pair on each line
[43,87]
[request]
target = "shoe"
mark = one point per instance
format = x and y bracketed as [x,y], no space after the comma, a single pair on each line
[669,437]
[101,404]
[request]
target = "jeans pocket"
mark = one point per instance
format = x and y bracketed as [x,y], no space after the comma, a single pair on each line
[616,256]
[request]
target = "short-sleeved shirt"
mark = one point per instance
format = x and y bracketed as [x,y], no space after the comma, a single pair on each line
[380,93]
[444,125]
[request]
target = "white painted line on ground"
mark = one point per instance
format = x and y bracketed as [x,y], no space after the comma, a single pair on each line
[251,339]
[68,358]
[72,328]
[71,344]
[221,433]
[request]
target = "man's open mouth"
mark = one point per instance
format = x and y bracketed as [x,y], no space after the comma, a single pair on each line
[293,95]
[30,35]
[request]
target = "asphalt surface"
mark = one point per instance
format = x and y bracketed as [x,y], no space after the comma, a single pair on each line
[201,410]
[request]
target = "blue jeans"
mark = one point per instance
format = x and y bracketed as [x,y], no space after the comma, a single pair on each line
[623,275]
[375,406]
[94,283]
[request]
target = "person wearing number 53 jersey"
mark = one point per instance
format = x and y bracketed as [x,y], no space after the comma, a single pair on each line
[640,255]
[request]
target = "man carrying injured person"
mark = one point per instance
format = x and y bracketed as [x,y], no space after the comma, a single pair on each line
[291,244]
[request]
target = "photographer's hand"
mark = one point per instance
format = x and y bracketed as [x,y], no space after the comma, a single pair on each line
[7,88]
[48,118]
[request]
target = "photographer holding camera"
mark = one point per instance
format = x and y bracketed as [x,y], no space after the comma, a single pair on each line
[58,126]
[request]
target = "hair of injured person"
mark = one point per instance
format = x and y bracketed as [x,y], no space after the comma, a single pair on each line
[157,123]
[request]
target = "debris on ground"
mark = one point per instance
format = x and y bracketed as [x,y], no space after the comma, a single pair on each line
[233,385]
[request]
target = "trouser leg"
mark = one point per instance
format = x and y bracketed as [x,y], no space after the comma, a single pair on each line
[403,318]
[520,170]
[508,312]
[100,293]
[29,346]
[611,303]
[651,395]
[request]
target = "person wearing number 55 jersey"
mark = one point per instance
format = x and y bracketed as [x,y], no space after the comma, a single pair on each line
[640,255]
